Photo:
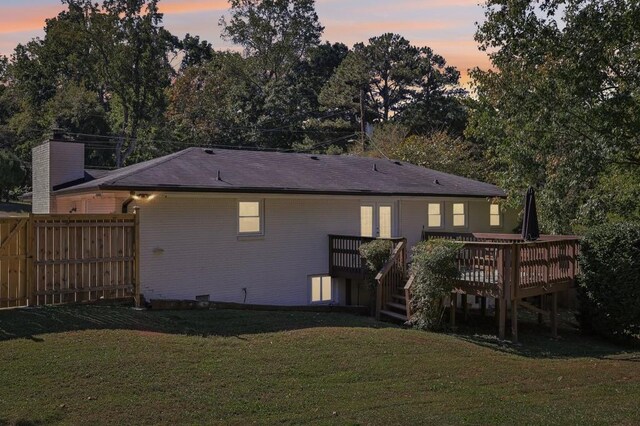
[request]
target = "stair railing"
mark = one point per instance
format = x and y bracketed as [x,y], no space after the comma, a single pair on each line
[390,279]
[407,295]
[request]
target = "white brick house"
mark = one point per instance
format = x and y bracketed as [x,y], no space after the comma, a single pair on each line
[249,226]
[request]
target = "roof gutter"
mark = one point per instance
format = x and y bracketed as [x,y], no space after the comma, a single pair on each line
[296,192]
[161,188]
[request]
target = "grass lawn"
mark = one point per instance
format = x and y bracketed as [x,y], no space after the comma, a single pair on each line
[93,364]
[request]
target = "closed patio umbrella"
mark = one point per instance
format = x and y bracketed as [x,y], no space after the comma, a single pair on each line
[530,229]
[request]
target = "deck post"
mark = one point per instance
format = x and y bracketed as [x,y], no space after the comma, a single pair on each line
[540,318]
[483,306]
[514,321]
[554,314]
[378,300]
[453,301]
[465,307]
[502,317]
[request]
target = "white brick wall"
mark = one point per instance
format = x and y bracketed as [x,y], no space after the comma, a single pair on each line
[413,218]
[54,163]
[40,179]
[100,203]
[190,246]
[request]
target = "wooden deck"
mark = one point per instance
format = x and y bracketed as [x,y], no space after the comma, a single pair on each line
[501,266]
[344,255]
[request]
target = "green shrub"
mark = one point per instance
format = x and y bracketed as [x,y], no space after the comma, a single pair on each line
[375,254]
[435,269]
[609,288]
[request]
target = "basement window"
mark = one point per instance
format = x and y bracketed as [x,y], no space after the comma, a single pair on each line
[459,215]
[321,289]
[434,219]
[494,216]
[250,217]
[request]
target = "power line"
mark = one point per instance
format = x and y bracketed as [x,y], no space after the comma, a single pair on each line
[111,142]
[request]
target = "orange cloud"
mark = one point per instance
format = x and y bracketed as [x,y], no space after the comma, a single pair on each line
[411,5]
[192,6]
[14,19]
[352,29]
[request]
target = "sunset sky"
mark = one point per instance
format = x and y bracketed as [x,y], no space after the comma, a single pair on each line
[445,25]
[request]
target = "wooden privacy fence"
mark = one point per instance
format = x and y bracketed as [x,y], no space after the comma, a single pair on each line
[53,259]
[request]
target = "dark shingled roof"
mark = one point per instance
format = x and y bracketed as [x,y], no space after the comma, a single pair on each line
[228,170]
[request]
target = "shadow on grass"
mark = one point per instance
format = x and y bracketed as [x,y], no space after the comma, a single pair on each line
[535,340]
[23,422]
[32,323]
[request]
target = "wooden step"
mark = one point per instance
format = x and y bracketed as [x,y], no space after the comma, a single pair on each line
[397,306]
[400,297]
[394,315]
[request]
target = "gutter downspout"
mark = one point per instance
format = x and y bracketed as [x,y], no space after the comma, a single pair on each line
[125,205]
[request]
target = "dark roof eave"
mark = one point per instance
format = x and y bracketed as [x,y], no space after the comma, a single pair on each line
[169,188]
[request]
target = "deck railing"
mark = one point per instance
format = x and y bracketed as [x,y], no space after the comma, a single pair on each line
[503,265]
[510,269]
[545,265]
[391,277]
[344,255]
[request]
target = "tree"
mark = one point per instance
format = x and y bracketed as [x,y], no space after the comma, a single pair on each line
[561,110]
[214,102]
[132,49]
[443,152]
[398,81]
[116,50]
[80,113]
[393,65]
[316,69]
[438,151]
[12,174]
[281,41]
[346,88]
[195,52]
[276,33]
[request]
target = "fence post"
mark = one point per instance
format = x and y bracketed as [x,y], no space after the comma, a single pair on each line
[31,261]
[136,256]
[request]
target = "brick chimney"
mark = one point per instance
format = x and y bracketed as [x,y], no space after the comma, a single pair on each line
[54,163]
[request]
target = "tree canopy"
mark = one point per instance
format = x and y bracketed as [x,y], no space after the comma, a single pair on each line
[561,108]
[398,81]
[558,110]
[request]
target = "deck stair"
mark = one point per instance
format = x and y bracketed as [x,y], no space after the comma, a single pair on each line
[391,279]
[396,310]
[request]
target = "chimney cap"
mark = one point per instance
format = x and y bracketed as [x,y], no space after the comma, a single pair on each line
[57,134]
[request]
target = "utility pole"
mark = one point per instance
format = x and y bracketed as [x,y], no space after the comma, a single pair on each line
[362,122]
